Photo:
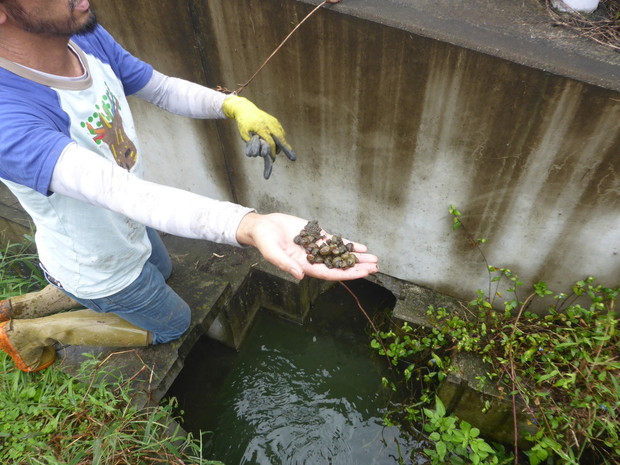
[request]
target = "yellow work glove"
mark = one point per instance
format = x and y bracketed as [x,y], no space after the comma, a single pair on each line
[262,132]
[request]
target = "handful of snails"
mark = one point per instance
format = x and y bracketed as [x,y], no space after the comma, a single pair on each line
[333,252]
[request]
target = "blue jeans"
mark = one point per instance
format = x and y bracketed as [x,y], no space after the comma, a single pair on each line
[148,302]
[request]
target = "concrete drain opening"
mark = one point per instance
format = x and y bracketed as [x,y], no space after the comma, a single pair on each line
[295,394]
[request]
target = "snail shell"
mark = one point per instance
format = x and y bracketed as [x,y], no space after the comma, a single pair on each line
[325,250]
[333,252]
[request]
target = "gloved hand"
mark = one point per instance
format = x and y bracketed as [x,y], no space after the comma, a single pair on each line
[261,131]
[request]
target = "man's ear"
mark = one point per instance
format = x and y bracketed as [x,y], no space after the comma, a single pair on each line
[3,14]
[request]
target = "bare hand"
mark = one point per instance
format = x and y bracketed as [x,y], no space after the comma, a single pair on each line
[273,236]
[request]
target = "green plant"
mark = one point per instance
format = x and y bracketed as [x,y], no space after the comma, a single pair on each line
[456,442]
[562,365]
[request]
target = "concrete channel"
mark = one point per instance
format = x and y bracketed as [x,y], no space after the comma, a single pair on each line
[417,104]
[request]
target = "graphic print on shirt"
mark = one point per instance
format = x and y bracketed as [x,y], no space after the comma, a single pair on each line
[106,125]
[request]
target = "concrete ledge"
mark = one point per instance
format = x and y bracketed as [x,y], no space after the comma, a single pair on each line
[14,221]
[461,391]
[464,397]
[225,287]
[519,31]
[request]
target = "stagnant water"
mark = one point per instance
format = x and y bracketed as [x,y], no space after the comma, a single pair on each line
[296,395]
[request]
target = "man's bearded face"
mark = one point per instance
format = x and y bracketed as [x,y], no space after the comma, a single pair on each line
[51,17]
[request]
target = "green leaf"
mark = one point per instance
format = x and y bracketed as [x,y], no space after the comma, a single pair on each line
[547,376]
[441,449]
[439,407]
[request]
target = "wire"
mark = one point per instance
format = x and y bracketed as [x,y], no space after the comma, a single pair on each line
[243,86]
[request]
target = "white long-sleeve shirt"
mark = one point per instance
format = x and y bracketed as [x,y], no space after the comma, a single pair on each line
[70,153]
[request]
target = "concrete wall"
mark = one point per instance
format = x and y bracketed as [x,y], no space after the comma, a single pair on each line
[179,151]
[391,127]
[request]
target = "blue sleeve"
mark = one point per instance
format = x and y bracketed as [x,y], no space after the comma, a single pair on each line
[33,133]
[30,145]
[132,72]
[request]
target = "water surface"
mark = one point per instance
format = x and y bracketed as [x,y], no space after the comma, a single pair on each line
[295,395]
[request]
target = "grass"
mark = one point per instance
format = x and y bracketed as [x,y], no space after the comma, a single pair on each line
[19,269]
[50,417]
[53,418]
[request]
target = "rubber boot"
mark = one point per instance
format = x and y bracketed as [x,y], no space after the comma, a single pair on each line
[47,301]
[30,342]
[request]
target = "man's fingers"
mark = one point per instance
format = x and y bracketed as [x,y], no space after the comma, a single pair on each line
[360,270]
[285,148]
[257,146]
[265,149]
[268,165]
[253,146]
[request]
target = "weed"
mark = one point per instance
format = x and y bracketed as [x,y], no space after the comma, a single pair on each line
[563,366]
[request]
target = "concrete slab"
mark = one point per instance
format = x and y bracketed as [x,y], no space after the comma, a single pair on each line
[203,276]
[218,282]
[520,31]
[14,221]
